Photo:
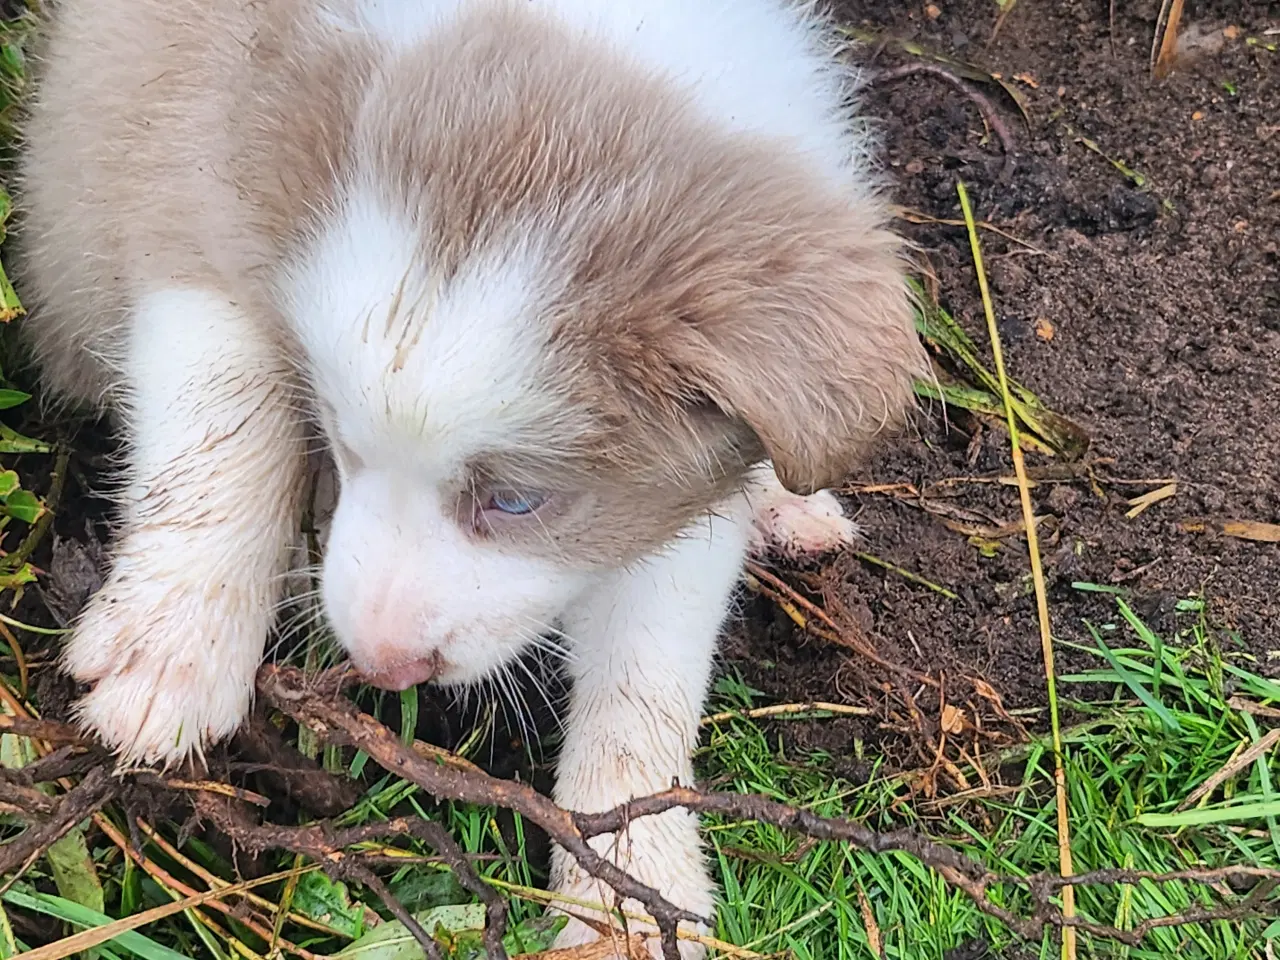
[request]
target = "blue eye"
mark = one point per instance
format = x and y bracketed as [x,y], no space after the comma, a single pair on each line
[514,502]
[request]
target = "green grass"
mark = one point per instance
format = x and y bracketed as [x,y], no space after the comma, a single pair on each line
[1166,727]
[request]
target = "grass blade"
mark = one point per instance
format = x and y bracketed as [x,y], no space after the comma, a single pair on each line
[1037,577]
[1236,813]
[102,929]
[1133,683]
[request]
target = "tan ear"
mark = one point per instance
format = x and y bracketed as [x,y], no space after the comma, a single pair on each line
[820,359]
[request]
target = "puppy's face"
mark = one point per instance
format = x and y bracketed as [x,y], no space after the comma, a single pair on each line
[549,322]
[486,472]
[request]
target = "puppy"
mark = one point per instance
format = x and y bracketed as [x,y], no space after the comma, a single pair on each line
[555,279]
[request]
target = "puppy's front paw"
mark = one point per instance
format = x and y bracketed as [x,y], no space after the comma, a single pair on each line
[172,661]
[662,851]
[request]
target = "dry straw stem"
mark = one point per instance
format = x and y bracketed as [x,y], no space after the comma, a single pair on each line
[792,603]
[1037,576]
[787,710]
[1164,46]
[88,939]
[1243,756]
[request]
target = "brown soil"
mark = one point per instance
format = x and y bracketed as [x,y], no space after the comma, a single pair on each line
[1165,308]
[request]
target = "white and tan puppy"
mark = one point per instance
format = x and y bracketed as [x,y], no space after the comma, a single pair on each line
[554,276]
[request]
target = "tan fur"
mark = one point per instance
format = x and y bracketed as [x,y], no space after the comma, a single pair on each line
[719,269]
[721,302]
[725,302]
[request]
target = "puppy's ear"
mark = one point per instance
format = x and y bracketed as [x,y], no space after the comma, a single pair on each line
[819,357]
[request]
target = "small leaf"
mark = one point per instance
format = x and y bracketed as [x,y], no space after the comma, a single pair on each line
[393,941]
[8,483]
[74,872]
[329,902]
[13,442]
[23,575]
[12,398]
[24,505]
[10,306]
[8,945]
[15,751]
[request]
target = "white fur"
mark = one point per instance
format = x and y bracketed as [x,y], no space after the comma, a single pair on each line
[417,377]
[644,641]
[758,66]
[175,635]
[792,525]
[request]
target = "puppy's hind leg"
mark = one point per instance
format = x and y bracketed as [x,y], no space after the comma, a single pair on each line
[214,463]
[643,648]
[795,526]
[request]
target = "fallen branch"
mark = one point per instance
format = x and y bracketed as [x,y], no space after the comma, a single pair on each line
[337,720]
[85,799]
[329,846]
[290,773]
[354,852]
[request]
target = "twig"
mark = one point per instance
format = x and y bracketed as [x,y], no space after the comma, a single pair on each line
[843,637]
[1006,8]
[24,800]
[340,722]
[176,886]
[292,774]
[85,799]
[330,846]
[214,881]
[989,114]
[48,730]
[1229,769]
[337,720]
[424,939]
[27,547]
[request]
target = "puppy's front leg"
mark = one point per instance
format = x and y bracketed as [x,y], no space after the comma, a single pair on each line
[214,456]
[643,650]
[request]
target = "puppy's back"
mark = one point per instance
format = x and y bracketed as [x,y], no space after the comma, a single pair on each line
[146,115]
[188,141]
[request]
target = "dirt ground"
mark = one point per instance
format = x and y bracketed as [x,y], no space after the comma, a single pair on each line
[1164,306]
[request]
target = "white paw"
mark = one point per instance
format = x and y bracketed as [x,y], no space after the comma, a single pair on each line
[796,526]
[172,660]
[663,852]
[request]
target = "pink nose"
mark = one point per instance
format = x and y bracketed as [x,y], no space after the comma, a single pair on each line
[403,674]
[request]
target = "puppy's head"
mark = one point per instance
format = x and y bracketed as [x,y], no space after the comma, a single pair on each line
[551,319]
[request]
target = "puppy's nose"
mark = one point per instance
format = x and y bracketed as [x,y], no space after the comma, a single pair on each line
[403,674]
